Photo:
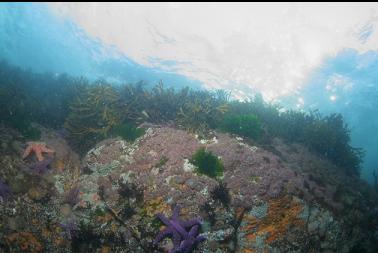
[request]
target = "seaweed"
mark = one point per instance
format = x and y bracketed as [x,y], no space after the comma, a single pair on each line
[327,136]
[133,100]
[207,164]
[202,111]
[131,198]
[221,193]
[128,131]
[93,113]
[85,239]
[163,104]
[246,125]
[375,183]
[32,97]
[24,126]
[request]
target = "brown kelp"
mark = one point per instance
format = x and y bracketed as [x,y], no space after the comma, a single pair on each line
[91,110]
[202,110]
[94,111]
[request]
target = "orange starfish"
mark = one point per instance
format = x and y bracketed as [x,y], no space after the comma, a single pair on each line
[38,148]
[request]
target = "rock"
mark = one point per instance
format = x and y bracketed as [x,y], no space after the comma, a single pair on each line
[276,204]
[20,183]
[37,193]
[66,210]
[15,223]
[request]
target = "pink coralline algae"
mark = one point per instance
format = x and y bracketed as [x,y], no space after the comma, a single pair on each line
[165,143]
[253,172]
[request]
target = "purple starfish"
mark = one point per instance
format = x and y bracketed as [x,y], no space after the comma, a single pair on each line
[183,241]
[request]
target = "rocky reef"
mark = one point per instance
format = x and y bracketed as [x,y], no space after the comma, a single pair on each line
[274,198]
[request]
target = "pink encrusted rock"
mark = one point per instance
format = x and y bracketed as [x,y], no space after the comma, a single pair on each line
[251,171]
[157,161]
[106,152]
[156,164]
[165,143]
[132,182]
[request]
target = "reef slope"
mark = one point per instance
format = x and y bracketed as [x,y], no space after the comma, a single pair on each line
[276,198]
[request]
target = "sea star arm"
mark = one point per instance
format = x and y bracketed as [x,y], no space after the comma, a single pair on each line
[194,231]
[176,238]
[47,150]
[172,224]
[166,232]
[39,155]
[190,223]
[176,223]
[27,152]
[164,219]
[186,245]
[200,238]
[179,228]
[176,213]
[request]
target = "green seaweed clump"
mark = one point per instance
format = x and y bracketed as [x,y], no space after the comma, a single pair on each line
[128,132]
[247,125]
[207,164]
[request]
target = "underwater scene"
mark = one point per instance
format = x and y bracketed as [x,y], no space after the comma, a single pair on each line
[188,127]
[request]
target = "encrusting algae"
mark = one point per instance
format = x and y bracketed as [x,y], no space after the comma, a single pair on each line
[23,242]
[282,213]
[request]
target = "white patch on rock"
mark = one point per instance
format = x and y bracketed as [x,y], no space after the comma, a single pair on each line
[59,183]
[126,158]
[152,153]
[205,191]
[215,140]
[148,132]
[252,148]
[127,177]
[105,169]
[170,200]
[155,171]
[168,179]
[96,151]
[212,141]
[188,167]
